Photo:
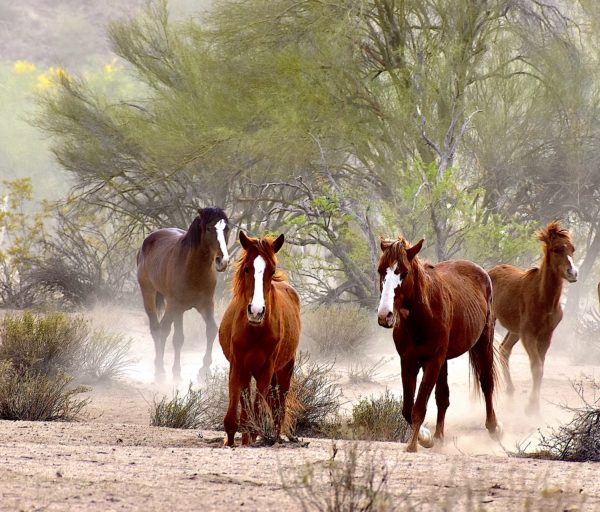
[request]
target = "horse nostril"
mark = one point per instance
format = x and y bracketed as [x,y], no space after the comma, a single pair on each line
[389,317]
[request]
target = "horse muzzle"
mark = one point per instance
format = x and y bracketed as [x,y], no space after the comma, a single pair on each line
[571,275]
[255,318]
[387,321]
[221,264]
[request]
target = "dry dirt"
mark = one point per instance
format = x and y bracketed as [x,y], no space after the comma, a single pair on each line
[115,461]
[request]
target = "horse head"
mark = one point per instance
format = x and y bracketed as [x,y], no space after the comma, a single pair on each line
[559,250]
[256,269]
[394,270]
[215,231]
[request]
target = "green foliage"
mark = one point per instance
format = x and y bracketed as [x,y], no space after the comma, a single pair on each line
[181,411]
[103,356]
[379,419]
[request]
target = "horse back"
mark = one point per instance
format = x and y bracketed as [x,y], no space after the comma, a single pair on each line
[510,285]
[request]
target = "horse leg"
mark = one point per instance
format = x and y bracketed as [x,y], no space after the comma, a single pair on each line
[177,344]
[208,315]
[237,382]
[442,400]
[149,298]
[506,347]
[482,361]
[409,369]
[536,350]
[165,329]
[281,382]
[431,370]
[263,400]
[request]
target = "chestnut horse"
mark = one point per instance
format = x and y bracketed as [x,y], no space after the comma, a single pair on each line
[259,335]
[180,268]
[437,312]
[527,303]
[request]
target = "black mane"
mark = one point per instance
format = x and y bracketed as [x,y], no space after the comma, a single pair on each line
[205,217]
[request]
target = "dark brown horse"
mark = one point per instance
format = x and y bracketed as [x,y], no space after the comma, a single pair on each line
[438,312]
[259,334]
[527,303]
[179,268]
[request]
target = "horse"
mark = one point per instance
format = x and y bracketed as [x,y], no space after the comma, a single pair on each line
[177,271]
[437,312]
[527,304]
[259,334]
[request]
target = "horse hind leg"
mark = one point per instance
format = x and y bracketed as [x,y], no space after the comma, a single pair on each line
[506,347]
[442,400]
[482,362]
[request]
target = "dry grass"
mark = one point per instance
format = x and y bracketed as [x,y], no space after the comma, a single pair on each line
[338,331]
[354,480]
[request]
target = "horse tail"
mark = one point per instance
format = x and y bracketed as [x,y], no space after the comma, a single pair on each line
[484,356]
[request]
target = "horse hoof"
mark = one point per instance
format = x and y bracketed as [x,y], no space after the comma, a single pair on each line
[411,449]
[532,409]
[203,375]
[425,437]
[498,431]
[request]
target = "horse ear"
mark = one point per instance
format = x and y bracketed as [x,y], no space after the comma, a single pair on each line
[244,240]
[384,244]
[278,242]
[411,252]
[200,211]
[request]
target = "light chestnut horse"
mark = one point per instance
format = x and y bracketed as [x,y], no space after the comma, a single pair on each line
[527,303]
[259,334]
[177,271]
[437,312]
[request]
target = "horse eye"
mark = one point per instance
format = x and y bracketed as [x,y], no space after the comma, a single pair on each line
[403,275]
[246,269]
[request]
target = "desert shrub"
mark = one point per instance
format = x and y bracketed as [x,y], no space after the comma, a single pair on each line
[576,441]
[103,356]
[379,419]
[41,344]
[30,396]
[358,482]
[339,330]
[318,396]
[180,411]
[216,395]
[586,348]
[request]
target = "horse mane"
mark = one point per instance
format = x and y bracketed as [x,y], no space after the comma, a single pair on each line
[552,232]
[263,248]
[205,216]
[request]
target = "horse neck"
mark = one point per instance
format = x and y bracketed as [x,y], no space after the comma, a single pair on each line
[420,286]
[551,282]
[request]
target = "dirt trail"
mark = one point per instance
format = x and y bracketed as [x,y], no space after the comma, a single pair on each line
[115,461]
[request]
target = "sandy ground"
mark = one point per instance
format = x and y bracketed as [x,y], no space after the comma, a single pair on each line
[114,461]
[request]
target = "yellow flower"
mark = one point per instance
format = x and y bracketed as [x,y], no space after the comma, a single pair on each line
[24,66]
[58,72]
[109,69]
[51,76]
[43,82]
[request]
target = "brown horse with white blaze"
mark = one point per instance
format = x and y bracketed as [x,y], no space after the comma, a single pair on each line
[177,271]
[259,334]
[437,312]
[527,303]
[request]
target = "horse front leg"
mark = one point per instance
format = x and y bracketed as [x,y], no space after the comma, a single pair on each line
[177,344]
[208,316]
[282,382]
[431,370]
[239,381]
[262,403]
[409,368]
[160,342]
[536,350]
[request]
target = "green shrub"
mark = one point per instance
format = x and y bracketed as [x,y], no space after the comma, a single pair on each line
[338,330]
[103,356]
[30,396]
[379,419]
[181,411]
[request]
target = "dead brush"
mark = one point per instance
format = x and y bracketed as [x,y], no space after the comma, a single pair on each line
[354,480]
[363,373]
[216,395]
[318,396]
[338,330]
[379,419]
[579,439]
[103,356]
[181,411]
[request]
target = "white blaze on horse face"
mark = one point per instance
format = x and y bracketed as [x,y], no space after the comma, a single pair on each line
[220,227]
[390,283]
[258,298]
[572,270]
